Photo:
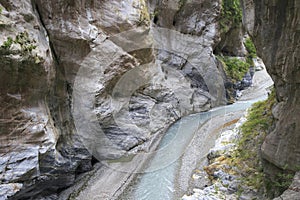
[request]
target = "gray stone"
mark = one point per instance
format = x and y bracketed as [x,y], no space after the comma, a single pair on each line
[8,190]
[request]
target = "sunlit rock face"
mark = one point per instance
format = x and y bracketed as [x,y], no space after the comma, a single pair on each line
[275,29]
[99,45]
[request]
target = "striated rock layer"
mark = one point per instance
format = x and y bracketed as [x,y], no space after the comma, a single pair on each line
[275,29]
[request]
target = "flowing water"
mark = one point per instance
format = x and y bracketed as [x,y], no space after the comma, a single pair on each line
[157,183]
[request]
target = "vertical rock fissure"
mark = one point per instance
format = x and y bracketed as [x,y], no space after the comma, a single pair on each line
[39,16]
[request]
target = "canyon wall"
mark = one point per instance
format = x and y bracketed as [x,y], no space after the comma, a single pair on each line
[275,29]
[95,80]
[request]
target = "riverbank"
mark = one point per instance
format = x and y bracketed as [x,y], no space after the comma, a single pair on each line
[108,180]
[260,85]
[190,173]
[223,178]
[217,170]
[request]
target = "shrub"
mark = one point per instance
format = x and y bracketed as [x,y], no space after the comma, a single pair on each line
[251,50]
[27,46]
[234,67]
[231,15]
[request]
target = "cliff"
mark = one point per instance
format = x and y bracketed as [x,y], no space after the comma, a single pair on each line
[274,27]
[39,152]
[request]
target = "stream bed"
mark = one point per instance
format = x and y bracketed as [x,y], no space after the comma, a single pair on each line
[157,181]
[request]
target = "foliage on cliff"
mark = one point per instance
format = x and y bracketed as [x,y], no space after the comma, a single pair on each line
[259,120]
[253,131]
[234,67]
[251,50]
[250,47]
[231,15]
[247,156]
[231,19]
[24,46]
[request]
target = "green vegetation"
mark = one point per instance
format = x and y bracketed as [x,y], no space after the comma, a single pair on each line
[144,14]
[246,157]
[234,67]
[245,160]
[26,45]
[277,184]
[231,15]
[23,40]
[251,50]
[250,47]
[253,131]
[285,180]
[259,118]
[7,44]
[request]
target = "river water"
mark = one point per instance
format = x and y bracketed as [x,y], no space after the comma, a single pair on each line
[157,183]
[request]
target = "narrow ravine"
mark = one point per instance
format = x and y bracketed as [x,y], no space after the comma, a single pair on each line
[158,183]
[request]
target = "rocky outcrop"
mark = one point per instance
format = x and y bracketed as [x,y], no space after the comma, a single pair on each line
[274,28]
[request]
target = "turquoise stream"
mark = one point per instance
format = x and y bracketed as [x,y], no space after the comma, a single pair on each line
[157,183]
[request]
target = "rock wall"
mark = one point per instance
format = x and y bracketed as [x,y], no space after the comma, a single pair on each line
[35,147]
[275,29]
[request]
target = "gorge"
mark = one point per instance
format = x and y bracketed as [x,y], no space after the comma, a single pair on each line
[87,86]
